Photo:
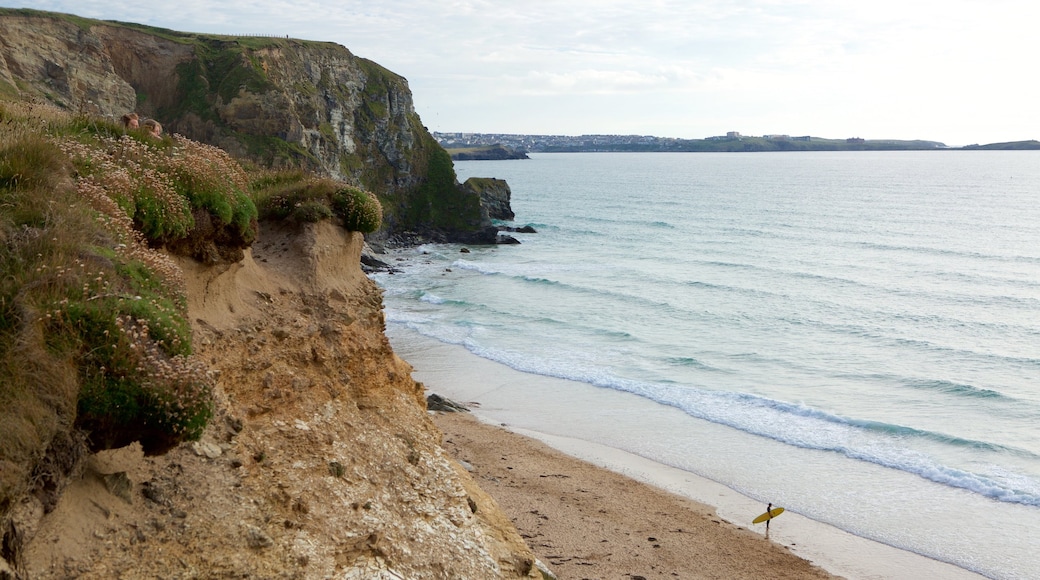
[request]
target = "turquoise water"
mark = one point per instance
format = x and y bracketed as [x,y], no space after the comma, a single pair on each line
[866,324]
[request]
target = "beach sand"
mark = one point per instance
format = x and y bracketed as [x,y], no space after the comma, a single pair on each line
[543,409]
[583,521]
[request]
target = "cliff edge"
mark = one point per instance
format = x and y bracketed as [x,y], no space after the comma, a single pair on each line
[278,101]
[320,461]
[190,387]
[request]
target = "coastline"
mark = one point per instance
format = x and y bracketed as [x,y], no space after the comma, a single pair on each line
[453,372]
[583,521]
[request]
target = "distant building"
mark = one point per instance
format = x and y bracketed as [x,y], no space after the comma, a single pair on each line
[854,140]
[733,134]
[778,137]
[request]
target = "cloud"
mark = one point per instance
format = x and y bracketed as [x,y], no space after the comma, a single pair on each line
[821,66]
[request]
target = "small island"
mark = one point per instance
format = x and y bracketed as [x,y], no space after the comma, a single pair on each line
[485,153]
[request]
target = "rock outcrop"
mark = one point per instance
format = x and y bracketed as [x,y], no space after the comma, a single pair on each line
[494,196]
[281,101]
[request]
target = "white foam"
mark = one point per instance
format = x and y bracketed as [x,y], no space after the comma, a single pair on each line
[451,371]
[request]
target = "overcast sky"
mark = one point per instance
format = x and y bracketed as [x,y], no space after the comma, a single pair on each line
[956,71]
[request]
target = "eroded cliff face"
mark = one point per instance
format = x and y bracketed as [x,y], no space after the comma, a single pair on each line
[321,462]
[284,102]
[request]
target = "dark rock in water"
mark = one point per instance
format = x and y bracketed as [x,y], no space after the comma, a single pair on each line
[488,235]
[464,251]
[371,264]
[521,230]
[503,239]
[435,402]
[494,196]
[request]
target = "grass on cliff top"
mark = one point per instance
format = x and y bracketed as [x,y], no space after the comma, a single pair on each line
[298,196]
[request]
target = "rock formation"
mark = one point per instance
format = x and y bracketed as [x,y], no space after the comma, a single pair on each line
[281,101]
[494,196]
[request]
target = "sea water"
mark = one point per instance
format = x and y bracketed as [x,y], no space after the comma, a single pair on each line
[854,335]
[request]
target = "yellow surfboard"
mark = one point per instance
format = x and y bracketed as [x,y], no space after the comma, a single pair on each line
[768,515]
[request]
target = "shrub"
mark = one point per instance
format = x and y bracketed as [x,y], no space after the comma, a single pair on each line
[31,162]
[359,210]
[311,211]
[295,196]
[133,390]
[158,183]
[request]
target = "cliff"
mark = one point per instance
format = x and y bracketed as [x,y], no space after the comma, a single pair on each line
[280,434]
[280,101]
[321,460]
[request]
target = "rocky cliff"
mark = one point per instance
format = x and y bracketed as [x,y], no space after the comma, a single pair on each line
[277,433]
[281,101]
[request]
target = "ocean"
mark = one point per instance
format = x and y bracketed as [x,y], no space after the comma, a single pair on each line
[852,335]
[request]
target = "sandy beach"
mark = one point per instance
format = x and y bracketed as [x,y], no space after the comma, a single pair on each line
[587,522]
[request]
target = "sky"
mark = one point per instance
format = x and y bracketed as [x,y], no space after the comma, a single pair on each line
[955,71]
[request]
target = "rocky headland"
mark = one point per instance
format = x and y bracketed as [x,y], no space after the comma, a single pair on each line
[286,439]
[282,102]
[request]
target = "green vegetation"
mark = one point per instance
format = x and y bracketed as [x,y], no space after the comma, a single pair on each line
[485,153]
[298,196]
[160,184]
[94,335]
[1031,145]
[438,202]
[220,69]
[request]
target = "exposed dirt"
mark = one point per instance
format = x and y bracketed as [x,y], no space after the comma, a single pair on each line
[321,461]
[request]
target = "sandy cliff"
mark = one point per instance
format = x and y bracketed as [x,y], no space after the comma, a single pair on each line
[321,462]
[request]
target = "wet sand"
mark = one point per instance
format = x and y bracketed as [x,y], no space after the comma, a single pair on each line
[584,521]
[532,405]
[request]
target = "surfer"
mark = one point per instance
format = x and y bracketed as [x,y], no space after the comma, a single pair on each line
[771,512]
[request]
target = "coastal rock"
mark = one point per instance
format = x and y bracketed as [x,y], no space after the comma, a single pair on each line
[523,229]
[435,402]
[494,196]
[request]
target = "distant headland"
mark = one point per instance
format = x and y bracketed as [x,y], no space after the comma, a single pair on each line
[513,146]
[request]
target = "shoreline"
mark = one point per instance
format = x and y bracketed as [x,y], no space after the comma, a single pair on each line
[490,388]
[583,521]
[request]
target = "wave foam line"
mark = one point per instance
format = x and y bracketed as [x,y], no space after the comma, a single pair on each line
[796,425]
